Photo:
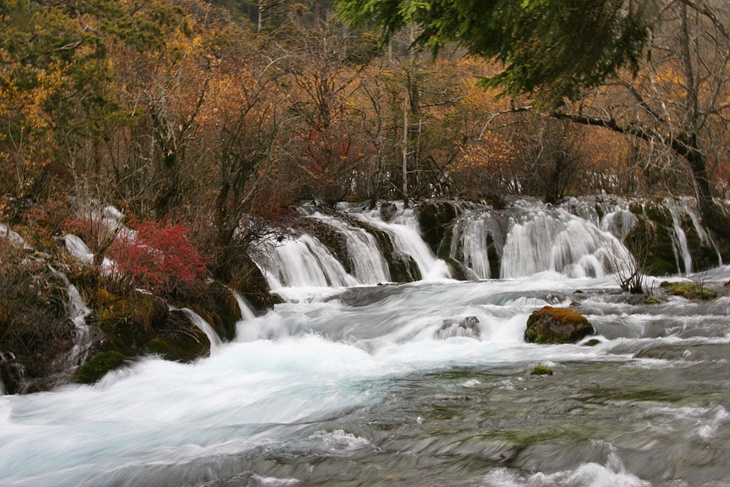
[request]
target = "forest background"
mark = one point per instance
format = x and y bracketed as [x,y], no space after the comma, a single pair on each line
[215,114]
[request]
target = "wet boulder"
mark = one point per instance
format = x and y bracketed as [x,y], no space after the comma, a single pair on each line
[557,325]
[462,327]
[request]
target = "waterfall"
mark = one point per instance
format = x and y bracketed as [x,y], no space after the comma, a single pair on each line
[77,313]
[368,264]
[247,311]
[679,241]
[197,320]
[561,242]
[579,238]
[470,242]
[305,262]
[406,237]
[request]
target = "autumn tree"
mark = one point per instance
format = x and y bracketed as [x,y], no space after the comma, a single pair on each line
[556,52]
[323,69]
[54,88]
[676,107]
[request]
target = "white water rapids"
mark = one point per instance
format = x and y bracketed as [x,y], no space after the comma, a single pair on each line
[347,385]
[318,380]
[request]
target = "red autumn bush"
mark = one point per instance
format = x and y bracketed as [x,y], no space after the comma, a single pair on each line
[160,258]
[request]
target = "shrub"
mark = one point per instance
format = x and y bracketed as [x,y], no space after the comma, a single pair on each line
[160,258]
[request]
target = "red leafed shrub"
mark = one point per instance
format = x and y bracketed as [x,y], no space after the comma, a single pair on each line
[160,259]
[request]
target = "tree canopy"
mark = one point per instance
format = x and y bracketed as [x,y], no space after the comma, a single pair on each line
[549,49]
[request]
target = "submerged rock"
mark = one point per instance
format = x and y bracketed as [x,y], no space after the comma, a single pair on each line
[557,325]
[464,327]
[541,370]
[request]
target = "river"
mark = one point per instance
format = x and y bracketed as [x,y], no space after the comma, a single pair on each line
[426,383]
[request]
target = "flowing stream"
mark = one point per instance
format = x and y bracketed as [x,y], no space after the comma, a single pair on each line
[418,384]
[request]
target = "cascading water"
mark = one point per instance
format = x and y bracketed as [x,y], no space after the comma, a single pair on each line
[560,242]
[472,232]
[406,238]
[369,265]
[679,238]
[247,311]
[425,383]
[199,321]
[77,313]
[304,262]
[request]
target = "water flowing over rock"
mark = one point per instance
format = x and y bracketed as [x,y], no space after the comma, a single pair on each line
[465,327]
[557,325]
[582,237]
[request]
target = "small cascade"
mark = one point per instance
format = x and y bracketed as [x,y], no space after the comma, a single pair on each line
[468,327]
[406,237]
[619,222]
[247,311]
[474,232]
[77,313]
[704,236]
[197,320]
[368,264]
[305,262]
[679,242]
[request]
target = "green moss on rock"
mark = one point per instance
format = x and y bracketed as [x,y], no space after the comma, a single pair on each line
[458,271]
[541,370]
[651,242]
[556,325]
[93,370]
[688,290]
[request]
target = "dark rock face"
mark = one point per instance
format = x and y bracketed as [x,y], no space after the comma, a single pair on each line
[557,325]
[463,327]
[436,220]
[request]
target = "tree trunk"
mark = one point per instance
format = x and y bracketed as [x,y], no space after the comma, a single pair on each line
[711,215]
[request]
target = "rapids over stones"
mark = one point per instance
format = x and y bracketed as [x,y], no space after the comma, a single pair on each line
[396,354]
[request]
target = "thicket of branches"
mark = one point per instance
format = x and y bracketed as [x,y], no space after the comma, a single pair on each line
[222,115]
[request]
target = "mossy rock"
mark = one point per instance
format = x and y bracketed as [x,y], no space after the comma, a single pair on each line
[11,373]
[651,242]
[688,290]
[493,256]
[93,370]
[226,309]
[557,325]
[130,322]
[541,370]
[182,341]
[237,270]
[218,306]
